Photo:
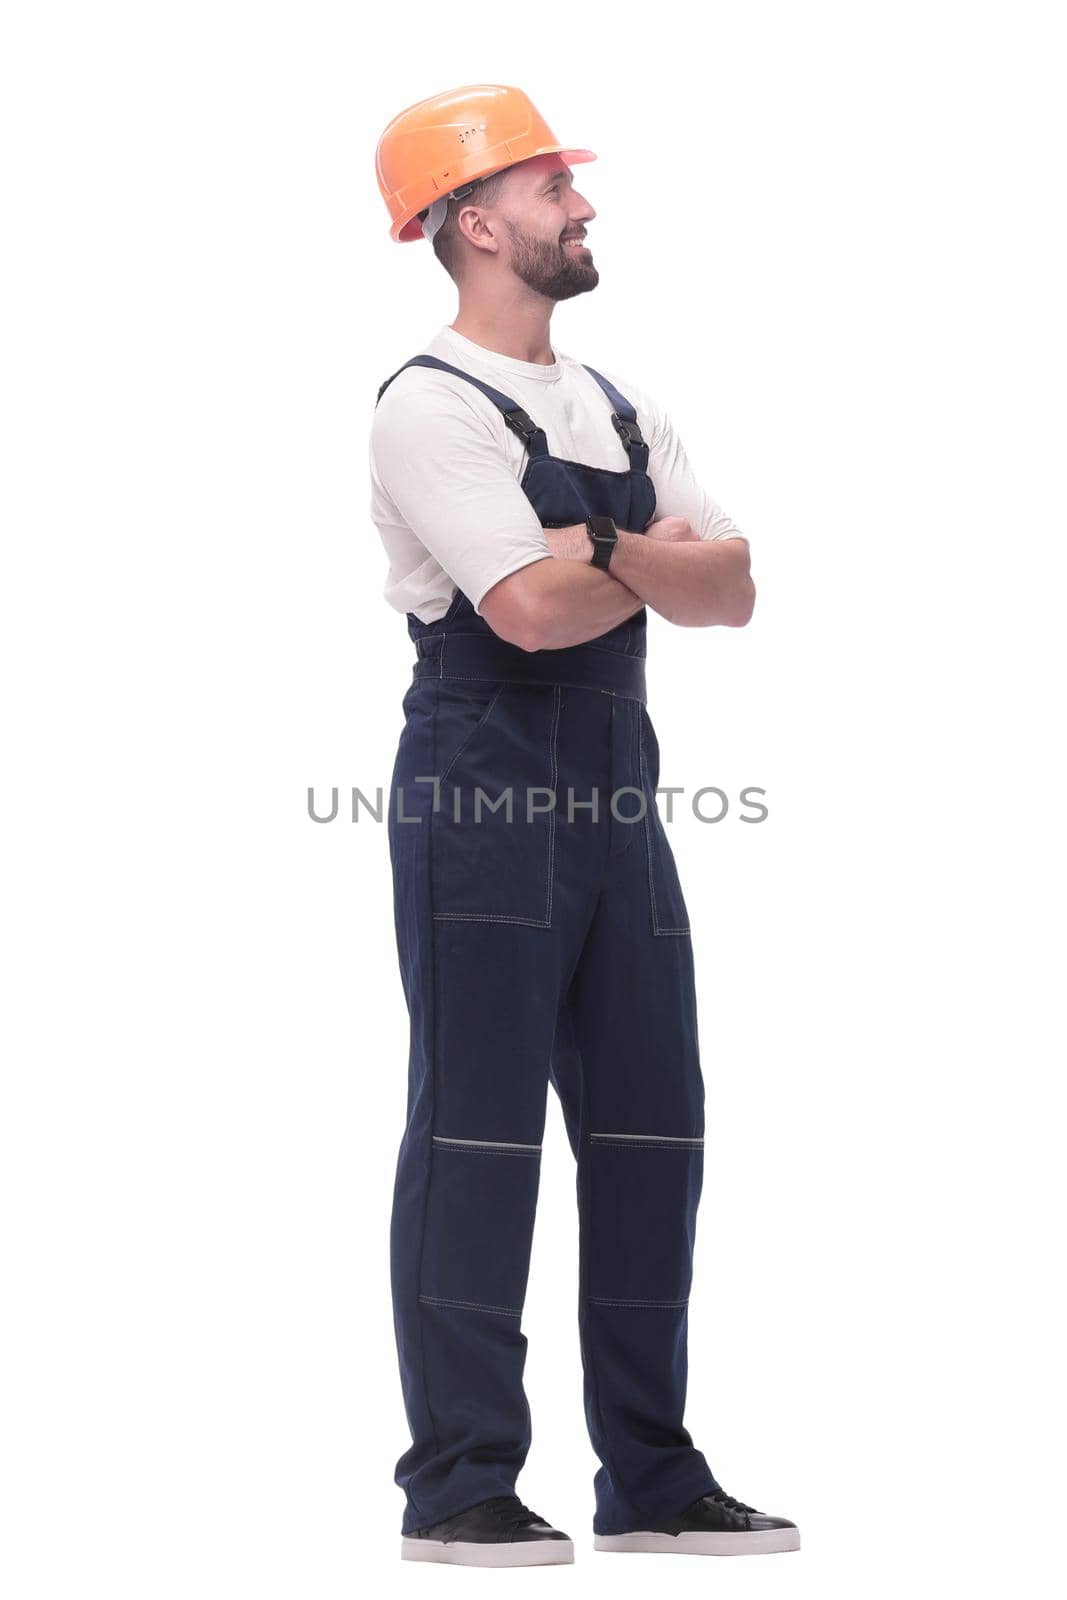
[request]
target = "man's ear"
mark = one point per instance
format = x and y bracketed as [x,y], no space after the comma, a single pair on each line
[478,230]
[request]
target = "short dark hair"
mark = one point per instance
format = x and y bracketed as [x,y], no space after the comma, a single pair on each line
[446,242]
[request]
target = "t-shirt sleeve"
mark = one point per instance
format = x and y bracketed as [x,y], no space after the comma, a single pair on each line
[678,493]
[447,473]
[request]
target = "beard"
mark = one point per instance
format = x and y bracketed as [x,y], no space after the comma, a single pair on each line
[550,268]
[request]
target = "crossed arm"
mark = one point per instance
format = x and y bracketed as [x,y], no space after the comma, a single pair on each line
[564,600]
[441,466]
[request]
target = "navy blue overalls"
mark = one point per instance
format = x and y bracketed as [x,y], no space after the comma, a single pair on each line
[549,943]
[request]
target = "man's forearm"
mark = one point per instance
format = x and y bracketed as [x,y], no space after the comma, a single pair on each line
[557,602]
[564,600]
[693,583]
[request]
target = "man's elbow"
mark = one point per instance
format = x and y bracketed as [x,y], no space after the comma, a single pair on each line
[528,630]
[736,600]
[741,604]
[729,607]
[516,614]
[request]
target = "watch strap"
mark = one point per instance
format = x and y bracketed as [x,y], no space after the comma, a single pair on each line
[604,536]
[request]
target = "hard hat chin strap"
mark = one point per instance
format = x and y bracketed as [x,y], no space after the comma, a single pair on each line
[439,210]
[435,216]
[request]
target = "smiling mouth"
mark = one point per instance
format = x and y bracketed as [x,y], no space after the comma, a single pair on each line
[576,241]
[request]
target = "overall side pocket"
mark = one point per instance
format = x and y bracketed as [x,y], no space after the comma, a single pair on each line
[493,833]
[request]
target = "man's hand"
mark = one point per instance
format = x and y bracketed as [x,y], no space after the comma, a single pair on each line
[671,530]
[692,582]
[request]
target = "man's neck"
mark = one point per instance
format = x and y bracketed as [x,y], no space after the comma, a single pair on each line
[519,332]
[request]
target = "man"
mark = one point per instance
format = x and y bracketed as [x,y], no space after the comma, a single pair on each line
[531,509]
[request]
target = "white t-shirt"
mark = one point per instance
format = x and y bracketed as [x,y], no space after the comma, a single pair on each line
[445,468]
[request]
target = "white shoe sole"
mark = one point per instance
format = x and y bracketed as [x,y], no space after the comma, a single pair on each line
[763,1542]
[524,1553]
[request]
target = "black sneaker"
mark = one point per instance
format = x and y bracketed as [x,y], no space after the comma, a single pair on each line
[714,1525]
[501,1532]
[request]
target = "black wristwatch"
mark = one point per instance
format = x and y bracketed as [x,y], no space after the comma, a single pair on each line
[605,536]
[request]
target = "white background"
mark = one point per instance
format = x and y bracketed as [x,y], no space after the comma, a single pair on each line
[829,239]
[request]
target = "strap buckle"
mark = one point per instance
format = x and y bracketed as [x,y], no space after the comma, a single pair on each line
[628,431]
[521,423]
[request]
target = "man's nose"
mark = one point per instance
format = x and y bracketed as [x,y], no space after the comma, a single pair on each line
[584,211]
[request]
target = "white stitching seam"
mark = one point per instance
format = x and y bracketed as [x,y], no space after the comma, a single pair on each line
[482,720]
[556,702]
[536,683]
[484,916]
[666,1305]
[469,1305]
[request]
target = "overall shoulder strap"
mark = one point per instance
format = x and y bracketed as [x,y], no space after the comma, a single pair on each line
[624,418]
[516,418]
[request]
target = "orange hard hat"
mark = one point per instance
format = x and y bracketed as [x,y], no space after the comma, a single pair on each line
[452,139]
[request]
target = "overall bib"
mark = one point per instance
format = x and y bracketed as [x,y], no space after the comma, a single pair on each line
[551,943]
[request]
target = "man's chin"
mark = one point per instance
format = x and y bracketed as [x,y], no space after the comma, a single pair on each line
[578,284]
